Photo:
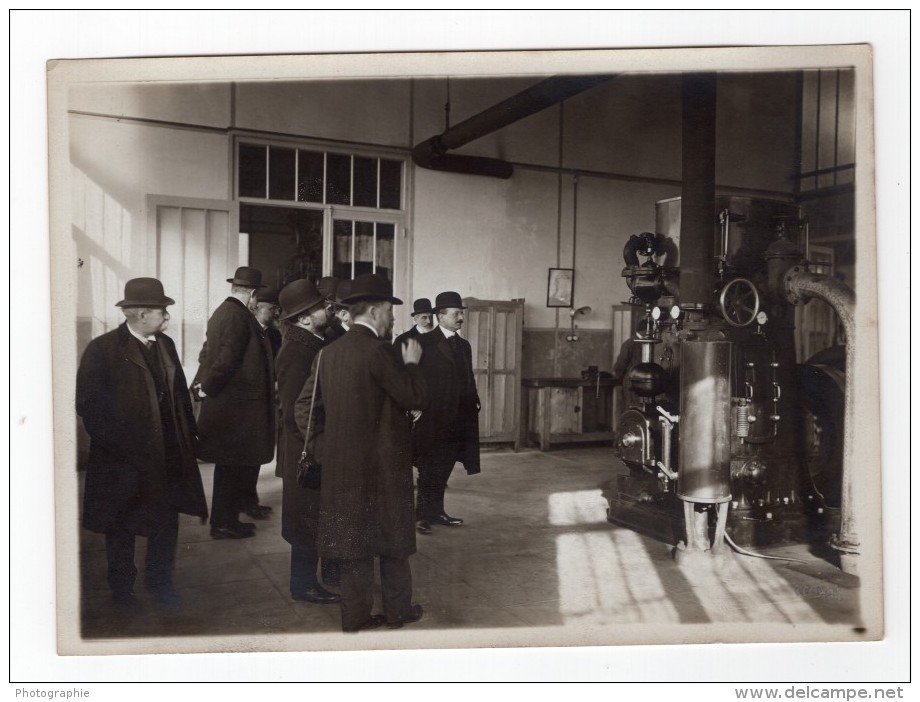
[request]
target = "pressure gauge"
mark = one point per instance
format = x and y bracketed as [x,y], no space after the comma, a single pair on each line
[761,318]
[675,312]
[656,313]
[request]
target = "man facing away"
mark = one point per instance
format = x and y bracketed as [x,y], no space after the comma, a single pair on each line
[448,431]
[365,388]
[133,399]
[236,423]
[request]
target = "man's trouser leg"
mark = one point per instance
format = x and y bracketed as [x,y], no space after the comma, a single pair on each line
[161,554]
[225,504]
[432,482]
[119,551]
[248,496]
[396,584]
[303,569]
[357,591]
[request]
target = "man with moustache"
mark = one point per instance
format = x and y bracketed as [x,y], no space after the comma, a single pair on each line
[448,431]
[131,394]
[340,322]
[237,420]
[266,313]
[304,308]
[365,388]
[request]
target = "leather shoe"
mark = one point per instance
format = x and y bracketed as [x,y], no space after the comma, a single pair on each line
[234,531]
[415,613]
[445,520]
[423,527]
[373,622]
[317,595]
[259,511]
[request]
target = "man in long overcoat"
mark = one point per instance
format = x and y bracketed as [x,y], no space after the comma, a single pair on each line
[304,308]
[448,431]
[363,396]
[236,423]
[132,397]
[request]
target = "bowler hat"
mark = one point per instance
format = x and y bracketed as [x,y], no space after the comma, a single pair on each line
[247,277]
[327,286]
[370,286]
[448,299]
[144,292]
[267,295]
[298,297]
[421,306]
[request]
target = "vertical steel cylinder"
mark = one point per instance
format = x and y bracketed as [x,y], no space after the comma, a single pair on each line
[704,470]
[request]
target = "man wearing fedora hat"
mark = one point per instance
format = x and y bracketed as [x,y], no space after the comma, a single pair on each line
[132,397]
[236,423]
[365,388]
[422,316]
[448,431]
[304,308]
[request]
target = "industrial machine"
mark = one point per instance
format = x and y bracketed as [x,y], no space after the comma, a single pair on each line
[726,434]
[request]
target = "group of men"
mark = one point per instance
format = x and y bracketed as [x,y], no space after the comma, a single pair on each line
[332,384]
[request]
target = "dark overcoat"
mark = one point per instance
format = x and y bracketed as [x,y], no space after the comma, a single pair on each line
[448,431]
[363,397]
[412,333]
[299,506]
[236,423]
[128,482]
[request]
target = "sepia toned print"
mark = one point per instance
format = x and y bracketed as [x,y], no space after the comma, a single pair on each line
[667,449]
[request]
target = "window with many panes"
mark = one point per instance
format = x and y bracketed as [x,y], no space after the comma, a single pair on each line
[357,196]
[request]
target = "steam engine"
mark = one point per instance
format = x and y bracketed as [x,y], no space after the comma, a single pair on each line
[725,434]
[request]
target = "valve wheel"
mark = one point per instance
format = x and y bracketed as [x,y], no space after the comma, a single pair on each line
[739,302]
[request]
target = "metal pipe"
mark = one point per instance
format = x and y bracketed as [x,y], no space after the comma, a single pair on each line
[800,285]
[697,236]
[432,153]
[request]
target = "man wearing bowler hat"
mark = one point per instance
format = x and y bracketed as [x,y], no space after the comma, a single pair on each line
[133,399]
[236,423]
[365,389]
[266,312]
[304,308]
[422,316]
[448,431]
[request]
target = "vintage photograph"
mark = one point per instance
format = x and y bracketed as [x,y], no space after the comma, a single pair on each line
[314,390]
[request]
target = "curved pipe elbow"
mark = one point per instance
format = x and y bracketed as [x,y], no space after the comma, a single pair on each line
[432,155]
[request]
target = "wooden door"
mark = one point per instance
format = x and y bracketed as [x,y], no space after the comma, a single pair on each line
[197,250]
[494,330]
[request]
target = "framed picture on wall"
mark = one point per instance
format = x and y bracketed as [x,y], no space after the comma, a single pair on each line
[560,286]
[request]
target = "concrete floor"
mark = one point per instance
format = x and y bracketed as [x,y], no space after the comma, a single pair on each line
[535,563]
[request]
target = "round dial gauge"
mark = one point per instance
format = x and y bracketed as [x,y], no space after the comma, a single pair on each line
[656,313]
[761,318]
[675,312]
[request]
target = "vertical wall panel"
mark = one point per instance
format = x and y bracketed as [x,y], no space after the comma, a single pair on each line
[221,261]
[194,303]
[170,264]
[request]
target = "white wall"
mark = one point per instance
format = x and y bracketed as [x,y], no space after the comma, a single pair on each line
[490,238]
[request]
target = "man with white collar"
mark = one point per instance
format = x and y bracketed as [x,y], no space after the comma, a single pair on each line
[133,399]
[448,431]
[423,318]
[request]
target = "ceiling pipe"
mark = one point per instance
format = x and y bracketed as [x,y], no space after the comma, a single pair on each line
[432,153]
